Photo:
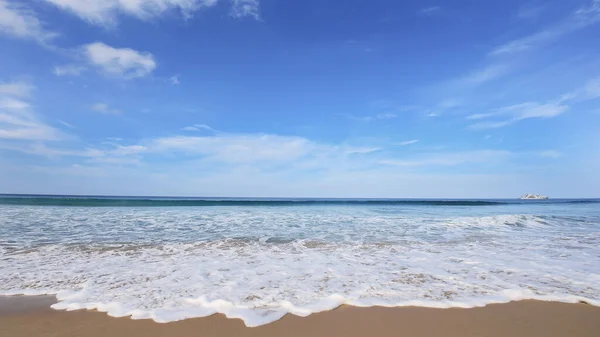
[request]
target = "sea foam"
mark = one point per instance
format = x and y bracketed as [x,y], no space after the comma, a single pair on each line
[258,264]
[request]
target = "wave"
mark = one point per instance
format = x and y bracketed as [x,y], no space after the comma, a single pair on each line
[261,283]
[201,307]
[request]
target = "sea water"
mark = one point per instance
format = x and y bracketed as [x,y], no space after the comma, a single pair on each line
[169,259]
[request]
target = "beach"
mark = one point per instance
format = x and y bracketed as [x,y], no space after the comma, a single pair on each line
[30,316]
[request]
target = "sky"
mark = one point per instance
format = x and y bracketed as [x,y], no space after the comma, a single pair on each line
[313,98]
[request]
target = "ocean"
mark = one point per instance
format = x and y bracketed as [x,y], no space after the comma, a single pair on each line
[169,259]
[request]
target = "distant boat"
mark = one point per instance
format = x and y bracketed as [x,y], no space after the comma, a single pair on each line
[529,196]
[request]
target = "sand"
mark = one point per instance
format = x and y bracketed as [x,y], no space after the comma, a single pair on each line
[30,316]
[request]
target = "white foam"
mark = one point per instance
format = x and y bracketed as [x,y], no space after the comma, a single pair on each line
[293,261]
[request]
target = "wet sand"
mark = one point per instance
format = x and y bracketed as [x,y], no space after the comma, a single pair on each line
[31,316]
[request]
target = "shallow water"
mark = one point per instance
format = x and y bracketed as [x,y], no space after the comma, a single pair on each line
[258,261]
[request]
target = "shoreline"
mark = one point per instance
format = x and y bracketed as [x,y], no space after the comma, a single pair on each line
[32,316]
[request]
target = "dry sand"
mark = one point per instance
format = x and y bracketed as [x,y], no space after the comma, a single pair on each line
[30,316]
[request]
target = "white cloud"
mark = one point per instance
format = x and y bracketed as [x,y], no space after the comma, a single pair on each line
[112,161]
[382,116]
[121,62]
[13,103]
[127,150]
[17,89]
[450,103]
[106,12]
[18,21]
[487,74]
[450,159]
[551,154]
[174,80]
[409,142]
[68,69]
[519,112]
[529,11]
[69,125]
[362,150]
[257,151]
[244,8]
[235,148]
[17,120]
[386,116]
[198,127]
[581,18]
[534,110]
[515,113]
[492,125]
[591,90]
[105,109]
[430,10]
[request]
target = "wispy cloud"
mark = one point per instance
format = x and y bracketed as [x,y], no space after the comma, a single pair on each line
[245,8]
[17,119]
[16,89]
[198,127]
[234,148]
[106,12]
[69,125]
[512,114]
[591,90]
[103,12]
[530,11]
[551,154]
[124,63]
[105,109]
[12,103]
[382,116]
[581,18]
[174,80]
[386,116]
[362,150]
[408,142]
[430,10]
[486,74]
[450,159]
[68,70]
[18,21]
[519,112]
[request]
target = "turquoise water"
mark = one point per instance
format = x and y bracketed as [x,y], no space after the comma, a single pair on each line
[258,259]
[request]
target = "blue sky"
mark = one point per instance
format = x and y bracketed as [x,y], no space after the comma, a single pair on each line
[300,98]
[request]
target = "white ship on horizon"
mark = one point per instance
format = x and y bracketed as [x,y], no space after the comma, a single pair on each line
[530,196]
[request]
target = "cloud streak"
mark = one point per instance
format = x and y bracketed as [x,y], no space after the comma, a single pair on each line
[450,159]
[409,142]
[382,116]
[68,70]
[515,113]
[199,127]
[105,109]
[17,120]
[582,18]
[430,10]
